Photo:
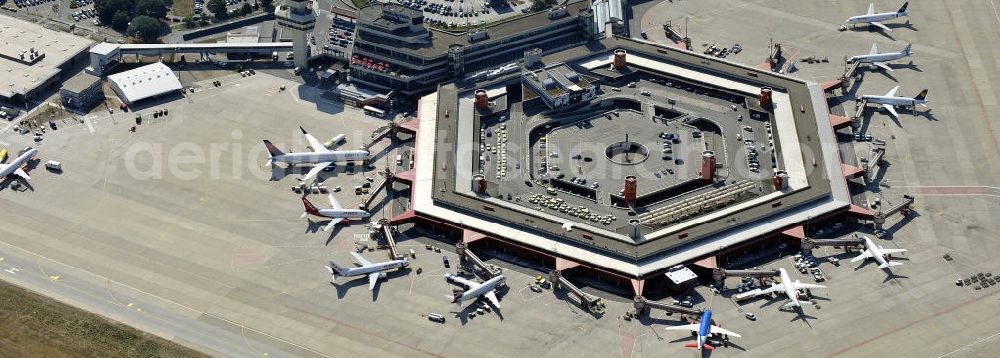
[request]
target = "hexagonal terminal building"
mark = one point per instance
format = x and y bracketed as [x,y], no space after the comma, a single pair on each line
[626,159]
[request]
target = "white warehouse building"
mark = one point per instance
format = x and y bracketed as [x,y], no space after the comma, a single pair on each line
[144,82]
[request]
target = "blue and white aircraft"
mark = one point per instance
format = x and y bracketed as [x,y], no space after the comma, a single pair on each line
[704,329]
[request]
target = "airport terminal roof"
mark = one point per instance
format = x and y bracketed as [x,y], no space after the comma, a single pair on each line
[146,81]
[811,192]
[22,70]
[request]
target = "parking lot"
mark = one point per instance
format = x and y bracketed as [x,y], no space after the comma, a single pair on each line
[466,13]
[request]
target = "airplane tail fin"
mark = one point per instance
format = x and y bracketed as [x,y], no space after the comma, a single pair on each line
[906,50]
[902,9]
[334,270]
[309,207]
[274,151]
[921,96]
[889,264]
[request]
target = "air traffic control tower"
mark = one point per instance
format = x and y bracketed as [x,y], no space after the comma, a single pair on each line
[298,19]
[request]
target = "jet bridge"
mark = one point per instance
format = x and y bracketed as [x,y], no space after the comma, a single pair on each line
[642,304]
[808,244]
[384,184]
[466,255]
[380,134]
[587,301]
[382,226]
[720,274]
[875,161]
[903,208]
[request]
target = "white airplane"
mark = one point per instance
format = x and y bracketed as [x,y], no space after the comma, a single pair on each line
[876,19]
[474,290]
[880,254]
[790,288]
[889,100]
[320,156]
[704,329]
[337,213]
[374,271]
[17,166]
[879,59]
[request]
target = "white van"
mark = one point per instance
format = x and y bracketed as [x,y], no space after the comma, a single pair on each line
[53,165]
[399,159]
[435,317]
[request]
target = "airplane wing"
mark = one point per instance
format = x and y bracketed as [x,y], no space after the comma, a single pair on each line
[333,222]
[462,281]
[21,173]
[315,170]
[314,143]
[891,109]
[864,255]
[879,24]
[773,288]
[883,66]
[686,327]
[492,297]
[871,8]
[891,251]
[361,260]
[333,202]
[372,280]
[892,92]
[799,285]
[720,330]
[874,49]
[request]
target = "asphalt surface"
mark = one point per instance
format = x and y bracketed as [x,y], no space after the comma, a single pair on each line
[218,262]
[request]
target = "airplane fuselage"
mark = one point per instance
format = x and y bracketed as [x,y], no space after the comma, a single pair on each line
[343,213]
[893,101]
[786,285]
[17,163]
[482,288]
[704,329]
[878,57]
[322,157]
[376,267]
[864,19]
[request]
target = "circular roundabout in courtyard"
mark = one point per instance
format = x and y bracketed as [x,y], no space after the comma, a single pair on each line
[626,153]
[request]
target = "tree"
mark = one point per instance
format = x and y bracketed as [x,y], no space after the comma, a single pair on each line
[107,9]
[246,9]
[151,8]
[268,5]
[144,28]
[120,21]
[217,7]
[189,22]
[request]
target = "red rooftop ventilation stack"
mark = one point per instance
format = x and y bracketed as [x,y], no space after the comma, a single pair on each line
[482,101]
[619,59]
[780,180]
[765,97]
[708,165]
[480,183]
[630,191]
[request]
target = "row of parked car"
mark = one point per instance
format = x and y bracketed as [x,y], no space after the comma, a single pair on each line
[86,14]
[27,3]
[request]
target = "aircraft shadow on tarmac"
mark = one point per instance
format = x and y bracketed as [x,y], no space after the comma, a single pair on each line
[890,231]
[463,314]
[350,283]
